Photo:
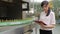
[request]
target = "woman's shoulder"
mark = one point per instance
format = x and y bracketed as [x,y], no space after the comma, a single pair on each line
[52,13]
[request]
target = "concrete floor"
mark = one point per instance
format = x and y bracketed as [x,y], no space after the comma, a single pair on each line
[55,31]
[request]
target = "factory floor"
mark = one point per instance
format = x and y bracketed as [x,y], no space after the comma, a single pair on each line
[55,31]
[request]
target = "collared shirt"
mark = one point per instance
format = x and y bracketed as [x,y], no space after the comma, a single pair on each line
[47,19]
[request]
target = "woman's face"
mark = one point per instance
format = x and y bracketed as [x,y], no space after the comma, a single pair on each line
[45,7]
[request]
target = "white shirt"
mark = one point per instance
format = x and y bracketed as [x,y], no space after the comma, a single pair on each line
[47,19]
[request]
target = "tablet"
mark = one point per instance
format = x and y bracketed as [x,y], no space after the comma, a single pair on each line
[39,22]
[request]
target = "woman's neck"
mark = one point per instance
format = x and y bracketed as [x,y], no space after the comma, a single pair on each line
[46,11]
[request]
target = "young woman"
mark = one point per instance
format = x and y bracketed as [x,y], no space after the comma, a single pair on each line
[47,17]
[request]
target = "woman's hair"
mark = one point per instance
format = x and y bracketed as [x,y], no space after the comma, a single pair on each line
[48,12]
[46,3]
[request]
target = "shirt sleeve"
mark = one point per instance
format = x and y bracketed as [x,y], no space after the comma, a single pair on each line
[53,21]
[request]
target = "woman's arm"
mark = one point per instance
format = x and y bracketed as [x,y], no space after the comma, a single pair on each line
[49,26]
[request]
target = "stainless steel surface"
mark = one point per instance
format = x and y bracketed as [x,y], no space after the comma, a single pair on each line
[19,29]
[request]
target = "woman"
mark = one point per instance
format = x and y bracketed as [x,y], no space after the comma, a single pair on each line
[47,17]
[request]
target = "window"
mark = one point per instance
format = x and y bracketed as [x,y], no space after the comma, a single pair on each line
[7,0]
